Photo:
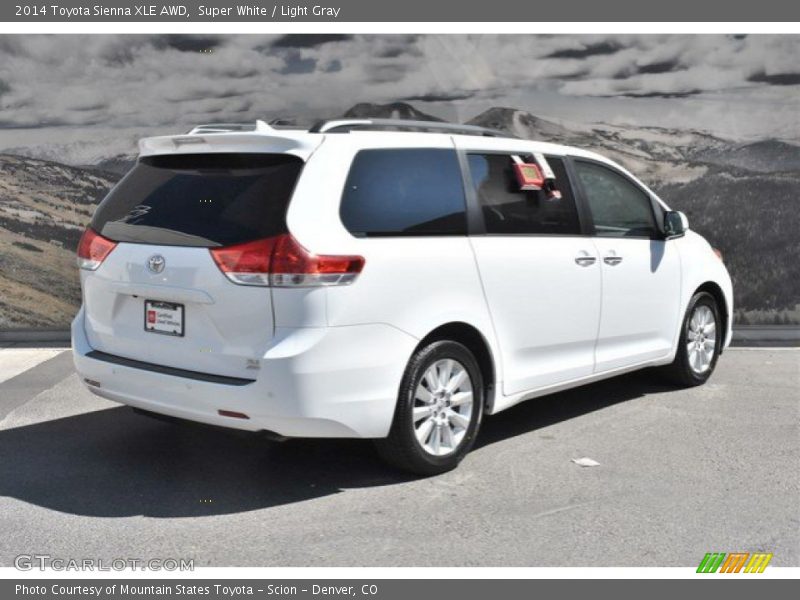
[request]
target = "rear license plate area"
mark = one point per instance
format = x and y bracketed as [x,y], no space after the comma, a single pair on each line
[166,318]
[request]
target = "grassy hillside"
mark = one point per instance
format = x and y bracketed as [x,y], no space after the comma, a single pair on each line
[44,207]
[753,219]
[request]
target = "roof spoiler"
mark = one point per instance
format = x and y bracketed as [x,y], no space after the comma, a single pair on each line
[238,137]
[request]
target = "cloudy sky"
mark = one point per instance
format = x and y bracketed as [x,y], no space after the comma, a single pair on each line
[58,88]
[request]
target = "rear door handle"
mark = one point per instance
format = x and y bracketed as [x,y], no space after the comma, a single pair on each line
[612,260]
[585,261]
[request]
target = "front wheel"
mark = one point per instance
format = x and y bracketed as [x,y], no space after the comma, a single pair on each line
[439,410]
[699,343]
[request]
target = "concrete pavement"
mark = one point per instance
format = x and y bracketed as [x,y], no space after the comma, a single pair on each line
[681,473]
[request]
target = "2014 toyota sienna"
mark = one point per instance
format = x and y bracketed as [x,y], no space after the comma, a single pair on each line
[392,280]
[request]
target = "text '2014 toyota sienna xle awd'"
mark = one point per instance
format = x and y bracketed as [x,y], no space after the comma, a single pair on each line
[386,280]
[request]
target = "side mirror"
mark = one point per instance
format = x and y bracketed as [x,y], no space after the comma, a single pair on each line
[675,224]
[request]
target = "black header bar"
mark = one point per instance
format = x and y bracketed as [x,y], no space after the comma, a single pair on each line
[418,11]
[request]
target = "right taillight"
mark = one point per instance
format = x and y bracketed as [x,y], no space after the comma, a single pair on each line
[93,249]
[282,262]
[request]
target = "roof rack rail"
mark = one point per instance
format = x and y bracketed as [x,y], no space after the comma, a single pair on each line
[348,125]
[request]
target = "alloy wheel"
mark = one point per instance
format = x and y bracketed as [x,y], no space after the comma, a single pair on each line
[701,339]
[443,405]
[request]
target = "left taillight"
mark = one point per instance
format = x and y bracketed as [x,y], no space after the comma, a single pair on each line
[93,249]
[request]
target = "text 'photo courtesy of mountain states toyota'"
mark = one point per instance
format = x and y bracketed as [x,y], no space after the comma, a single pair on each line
[392,280]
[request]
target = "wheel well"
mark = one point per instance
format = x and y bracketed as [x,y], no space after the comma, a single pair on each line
[476,343]
[713,289]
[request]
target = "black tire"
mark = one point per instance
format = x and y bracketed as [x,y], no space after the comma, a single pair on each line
[681,371]
[402,448]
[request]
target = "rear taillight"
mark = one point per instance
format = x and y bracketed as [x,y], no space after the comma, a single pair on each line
[282,262]
[246,264]
[93,249]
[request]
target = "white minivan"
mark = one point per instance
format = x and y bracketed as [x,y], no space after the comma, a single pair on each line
[392,280]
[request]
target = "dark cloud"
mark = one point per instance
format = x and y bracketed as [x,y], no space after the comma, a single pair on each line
[5,124]
[187,43]
[333,67]
[308,40]
[238,72]
[220,114]
[574,76]
[438,97]
[5,87]
[654,68]
[386,73]
[598,49]
[11,46]
[50,122]
[295,64]
[665,66]
[209,93]
[119,56]
[123,50]
[775,78]
[681,94]
[394,46]
[396,51]
[391,52]
[243,107]
[99,105]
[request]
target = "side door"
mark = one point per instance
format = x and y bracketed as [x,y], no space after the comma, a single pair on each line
[641,271]
[540,273]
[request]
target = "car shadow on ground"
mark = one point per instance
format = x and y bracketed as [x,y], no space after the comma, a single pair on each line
[115,463]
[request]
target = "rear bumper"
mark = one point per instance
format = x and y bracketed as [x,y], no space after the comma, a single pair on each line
[313,382]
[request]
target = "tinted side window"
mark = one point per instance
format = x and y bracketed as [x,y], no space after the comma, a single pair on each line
[619,208]
[508,210]
[404,192]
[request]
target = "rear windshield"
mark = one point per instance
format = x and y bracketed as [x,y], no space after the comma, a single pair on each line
[200,199]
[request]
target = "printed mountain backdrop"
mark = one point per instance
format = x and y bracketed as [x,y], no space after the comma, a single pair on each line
[712,123]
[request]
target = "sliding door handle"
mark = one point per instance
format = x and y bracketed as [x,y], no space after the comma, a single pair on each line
[612,260]
[585,261]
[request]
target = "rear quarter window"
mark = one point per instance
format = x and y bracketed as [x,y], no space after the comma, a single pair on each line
[395,192]
[200,199]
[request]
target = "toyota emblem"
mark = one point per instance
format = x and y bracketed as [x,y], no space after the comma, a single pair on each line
[155,264]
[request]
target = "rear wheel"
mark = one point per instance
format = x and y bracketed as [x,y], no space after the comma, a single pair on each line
[439,410]
[699,344]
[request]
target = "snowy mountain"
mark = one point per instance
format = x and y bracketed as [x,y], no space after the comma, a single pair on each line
[656,155]
[521,124]
[117,165]
[393,110]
